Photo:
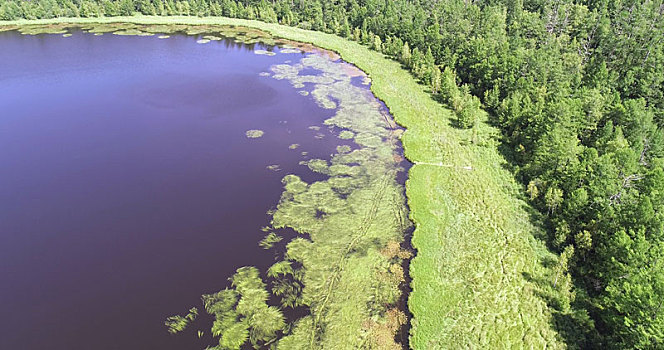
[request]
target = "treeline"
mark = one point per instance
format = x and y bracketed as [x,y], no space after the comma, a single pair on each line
[576,87]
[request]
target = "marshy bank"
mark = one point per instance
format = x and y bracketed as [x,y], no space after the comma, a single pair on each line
[152,158]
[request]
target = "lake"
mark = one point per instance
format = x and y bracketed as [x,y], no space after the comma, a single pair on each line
[129,185]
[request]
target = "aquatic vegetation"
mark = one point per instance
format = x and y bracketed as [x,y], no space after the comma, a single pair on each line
[132,32]
[43,29]
[254,134]
[269,240]
[264,52]
[242,313]
[273,167]
[66,35]
[294,146]
[303,92]
[179,323]
[289,50]
[346,135]
[316,165]
[108,27]
[7,28]
[345,265]
[338,268]
[241,35]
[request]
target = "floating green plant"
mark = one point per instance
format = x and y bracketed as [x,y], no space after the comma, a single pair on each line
[242,314]
[202,41]
[108,27]
[132,32]
[346,266]
[43,29]
[273,167]
[289,50]
[179,323]
[212,37]
[346,135]
[294,146]
[164,36]
[6,28]
[254,134]
[270,240]
[264,52]
[66,35]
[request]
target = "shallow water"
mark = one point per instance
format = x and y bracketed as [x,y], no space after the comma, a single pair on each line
[128,186]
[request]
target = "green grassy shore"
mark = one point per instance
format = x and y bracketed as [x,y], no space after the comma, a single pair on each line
[478,277]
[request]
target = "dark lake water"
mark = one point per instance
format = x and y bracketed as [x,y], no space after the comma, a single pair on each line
[127,185]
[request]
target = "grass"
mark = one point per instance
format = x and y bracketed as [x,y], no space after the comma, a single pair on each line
[477,253]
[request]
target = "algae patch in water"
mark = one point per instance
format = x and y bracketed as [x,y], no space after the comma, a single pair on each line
[132,32]
[179,323]
[254,134]
[212,37]
[240,35]
[345,266]
[289,50]
[264,52]
[346,135]
[35,29]
[270,240]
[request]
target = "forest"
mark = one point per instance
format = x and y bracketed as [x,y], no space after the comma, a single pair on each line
[576,89]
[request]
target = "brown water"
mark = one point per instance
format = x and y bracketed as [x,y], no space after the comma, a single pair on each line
[127,185]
